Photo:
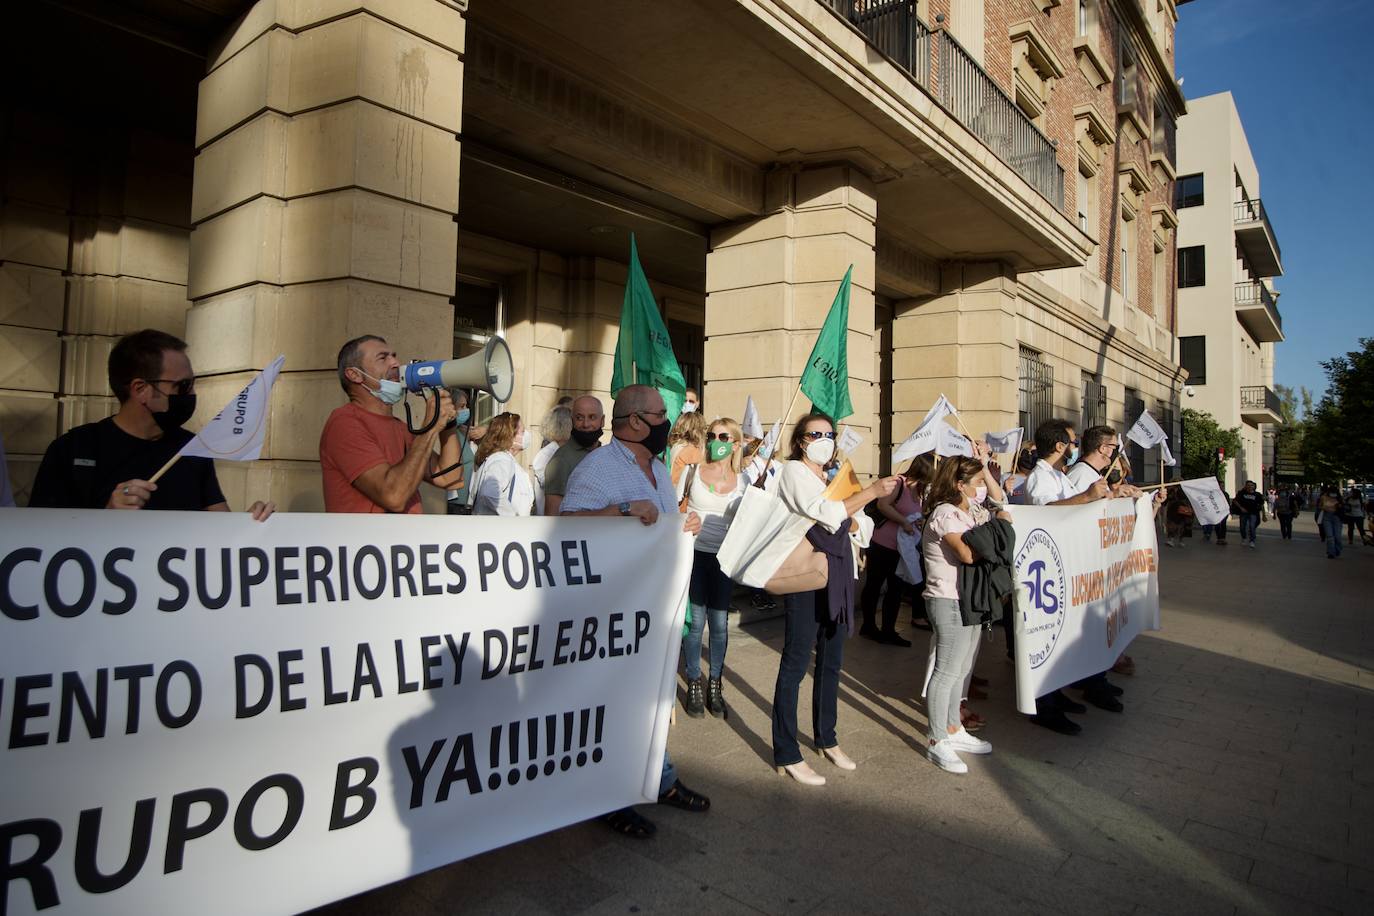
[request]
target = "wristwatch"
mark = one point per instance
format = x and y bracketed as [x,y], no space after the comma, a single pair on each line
[624,508]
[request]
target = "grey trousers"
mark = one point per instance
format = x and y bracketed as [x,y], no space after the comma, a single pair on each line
[954,647]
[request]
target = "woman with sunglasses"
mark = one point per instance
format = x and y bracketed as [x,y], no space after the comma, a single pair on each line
[824,617]
[713,490]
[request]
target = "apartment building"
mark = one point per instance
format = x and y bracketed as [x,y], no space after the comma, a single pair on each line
[276,177]
[1228,257]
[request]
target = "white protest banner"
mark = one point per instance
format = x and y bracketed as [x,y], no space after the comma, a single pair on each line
[950,442]
[750,425]
[1145,432]
[848,441]
[236,432]
[204,714]
[1210,505]
[1088,584]
[1007,443]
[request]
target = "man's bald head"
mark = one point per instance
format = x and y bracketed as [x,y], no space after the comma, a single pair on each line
[588,414]
[635,399]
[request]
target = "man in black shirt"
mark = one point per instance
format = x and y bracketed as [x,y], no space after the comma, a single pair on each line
[1249,502]
[106,464]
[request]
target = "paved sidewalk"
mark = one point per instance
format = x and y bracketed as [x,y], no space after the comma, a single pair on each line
[1240,779]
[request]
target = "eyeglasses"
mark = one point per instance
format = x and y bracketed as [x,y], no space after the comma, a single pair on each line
[642,414]
[181,385]
[721,437]
[819,434]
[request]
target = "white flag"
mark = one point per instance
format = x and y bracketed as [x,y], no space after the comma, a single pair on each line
[770,441]
[1007,443]
[927,436]
[848,441]
[952,442]
[1146,432]
[236,432]
[1166,455]
[1208,502]
[750,425]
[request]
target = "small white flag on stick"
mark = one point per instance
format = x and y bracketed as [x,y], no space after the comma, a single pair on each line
[1208,502]
[1146,432]
[770,441]
[952,442]
[750,425]
[237,431]
[1165,455]
[848,441]
[1007,443]
[927,435]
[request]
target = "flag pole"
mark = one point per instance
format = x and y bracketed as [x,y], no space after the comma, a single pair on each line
[1161,486]
[165,468]
[781,425]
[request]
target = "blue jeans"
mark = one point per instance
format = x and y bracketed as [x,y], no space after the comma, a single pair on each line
[691,643]
[669,776]
[1249,524]
[802,632]
[1331,527]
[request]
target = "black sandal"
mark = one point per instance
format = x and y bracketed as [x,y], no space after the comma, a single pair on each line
[631,823]
[679,796]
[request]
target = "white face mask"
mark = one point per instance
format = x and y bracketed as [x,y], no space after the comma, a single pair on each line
[689,407]
[821,451]
[980,494]
[524,440]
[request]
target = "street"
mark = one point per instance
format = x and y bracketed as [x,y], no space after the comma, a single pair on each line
[1238,780]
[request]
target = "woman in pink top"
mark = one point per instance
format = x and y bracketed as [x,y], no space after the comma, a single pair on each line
[943,548]
[895,512]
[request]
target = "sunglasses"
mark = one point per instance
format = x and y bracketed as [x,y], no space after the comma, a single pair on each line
[720,437]
[181,386]
[819,434]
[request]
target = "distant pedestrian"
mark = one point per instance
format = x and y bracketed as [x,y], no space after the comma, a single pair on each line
[1354,514]
[1249,505]
[1329,520]
[1287,503]
[897,512]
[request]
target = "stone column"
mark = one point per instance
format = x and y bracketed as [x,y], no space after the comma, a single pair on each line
[324,202]
[963,344]
[769,285]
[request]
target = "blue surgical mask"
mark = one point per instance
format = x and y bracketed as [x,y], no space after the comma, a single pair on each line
[389,392]
[1073,455]
[463,416]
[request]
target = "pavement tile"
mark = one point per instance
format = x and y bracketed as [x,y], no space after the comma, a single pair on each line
[1214,838]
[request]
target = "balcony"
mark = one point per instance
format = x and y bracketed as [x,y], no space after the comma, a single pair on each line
[1259,404]
[1257,310]
[945,70]
[1256,238]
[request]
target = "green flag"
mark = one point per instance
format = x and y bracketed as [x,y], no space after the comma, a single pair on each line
[643,353]
[826,377]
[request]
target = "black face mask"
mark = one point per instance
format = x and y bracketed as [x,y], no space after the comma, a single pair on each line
[179,410]
[657,440]
[586,438]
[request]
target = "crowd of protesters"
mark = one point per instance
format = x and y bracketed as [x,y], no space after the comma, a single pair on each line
[936,536]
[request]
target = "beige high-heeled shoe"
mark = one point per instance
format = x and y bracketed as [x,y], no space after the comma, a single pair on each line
[839,758]
[802,773]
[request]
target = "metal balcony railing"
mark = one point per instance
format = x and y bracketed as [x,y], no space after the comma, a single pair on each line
[1254,293]
[942,67]
[1252,211]
[1260,397]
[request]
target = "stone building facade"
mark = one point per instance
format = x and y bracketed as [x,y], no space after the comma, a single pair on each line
[278,176]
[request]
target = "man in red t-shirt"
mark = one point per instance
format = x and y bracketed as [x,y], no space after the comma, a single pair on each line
[370,460]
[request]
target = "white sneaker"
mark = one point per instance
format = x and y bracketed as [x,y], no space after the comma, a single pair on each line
[942,755]
[1168,543]
[962,740]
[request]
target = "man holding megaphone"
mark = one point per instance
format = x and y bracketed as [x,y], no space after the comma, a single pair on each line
[371,461]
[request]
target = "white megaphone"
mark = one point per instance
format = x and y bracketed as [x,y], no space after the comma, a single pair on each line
[490,370]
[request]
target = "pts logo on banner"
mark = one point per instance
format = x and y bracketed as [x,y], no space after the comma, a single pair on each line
[1040,568]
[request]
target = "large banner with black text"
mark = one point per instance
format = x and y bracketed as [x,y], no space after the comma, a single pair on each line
[201,713]
[1088,584]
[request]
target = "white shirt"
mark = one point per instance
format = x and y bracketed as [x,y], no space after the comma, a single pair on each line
[803,493]
[538,467]
[1083,475]
[610,475]
[716,510]
[501,487]
[1047,485]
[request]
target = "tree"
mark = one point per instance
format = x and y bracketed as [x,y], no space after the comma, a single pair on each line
[1202,436]
[1339,439]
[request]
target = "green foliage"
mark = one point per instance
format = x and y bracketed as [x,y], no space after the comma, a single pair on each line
[1338,441]
[1202,436]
